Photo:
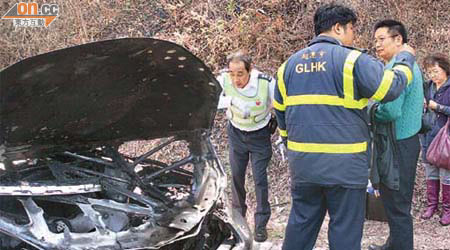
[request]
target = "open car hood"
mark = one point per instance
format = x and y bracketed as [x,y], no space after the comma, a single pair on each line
[65,183]
[104,92]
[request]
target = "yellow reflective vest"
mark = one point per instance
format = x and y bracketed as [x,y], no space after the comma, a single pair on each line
[248,111]
[320,101]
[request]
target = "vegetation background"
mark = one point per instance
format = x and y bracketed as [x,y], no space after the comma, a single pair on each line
[271,30]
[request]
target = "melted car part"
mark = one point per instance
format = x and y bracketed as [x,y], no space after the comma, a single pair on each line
[67,186]
[142,221]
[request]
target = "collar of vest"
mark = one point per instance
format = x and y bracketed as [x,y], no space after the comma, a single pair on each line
[324,39]
[329,39]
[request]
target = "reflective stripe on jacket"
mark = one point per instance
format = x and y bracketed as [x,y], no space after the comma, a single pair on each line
[252,110]
[321,100]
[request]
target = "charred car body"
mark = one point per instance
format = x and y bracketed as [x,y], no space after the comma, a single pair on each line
[65,183]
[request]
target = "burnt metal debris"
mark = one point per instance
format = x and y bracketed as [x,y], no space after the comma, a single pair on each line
[65,184]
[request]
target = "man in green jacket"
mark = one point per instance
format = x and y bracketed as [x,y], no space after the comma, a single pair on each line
[406,113]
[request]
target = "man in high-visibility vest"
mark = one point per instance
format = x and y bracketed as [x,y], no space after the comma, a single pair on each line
[320,101]
[247,95]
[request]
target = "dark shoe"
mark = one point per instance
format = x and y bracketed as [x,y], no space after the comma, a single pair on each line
[376,247]
[445,219]
[260,234]
[432,199]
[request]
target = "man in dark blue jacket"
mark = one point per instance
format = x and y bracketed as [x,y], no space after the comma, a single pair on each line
[321,106]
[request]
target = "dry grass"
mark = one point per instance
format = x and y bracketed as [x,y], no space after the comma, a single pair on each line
[270,30]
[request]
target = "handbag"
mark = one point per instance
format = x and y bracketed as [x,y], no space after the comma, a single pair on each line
[438,153]
[375,208]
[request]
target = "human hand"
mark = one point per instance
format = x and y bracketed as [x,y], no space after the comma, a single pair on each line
[376,192]
[408,48]
[432,105]
[373,189]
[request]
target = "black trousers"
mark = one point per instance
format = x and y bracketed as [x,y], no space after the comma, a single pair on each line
[397,204]
[256,147]
[310,202]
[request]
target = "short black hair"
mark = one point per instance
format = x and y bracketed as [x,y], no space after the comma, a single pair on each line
[395,28]
[328,15]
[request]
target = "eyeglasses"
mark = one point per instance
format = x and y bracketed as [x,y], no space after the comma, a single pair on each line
[381,39]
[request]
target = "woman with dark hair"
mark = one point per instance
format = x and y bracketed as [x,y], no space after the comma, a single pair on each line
[437,98]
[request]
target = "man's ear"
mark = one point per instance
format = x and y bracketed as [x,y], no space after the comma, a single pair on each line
[338,29]
[398,40]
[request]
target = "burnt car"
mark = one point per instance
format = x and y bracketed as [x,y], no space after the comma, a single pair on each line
[65,183]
